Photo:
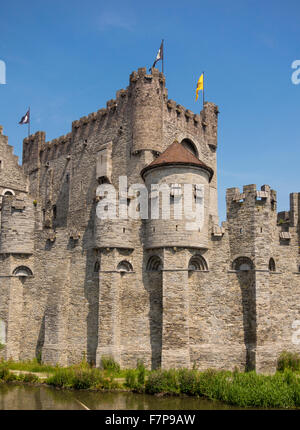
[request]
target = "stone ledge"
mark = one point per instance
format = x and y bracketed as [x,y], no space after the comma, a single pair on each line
[115,271]
[182,270]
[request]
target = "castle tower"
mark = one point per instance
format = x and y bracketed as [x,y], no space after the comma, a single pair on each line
[174,232]
[252,219]
[147,93]
[186,181]
[16,246]
[31,160]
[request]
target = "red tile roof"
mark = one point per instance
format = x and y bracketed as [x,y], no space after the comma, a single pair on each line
[177,154]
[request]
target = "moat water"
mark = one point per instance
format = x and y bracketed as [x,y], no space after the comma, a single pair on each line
[18,397]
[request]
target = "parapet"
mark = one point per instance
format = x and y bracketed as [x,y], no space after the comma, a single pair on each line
[143,76]
[249,199]
[31,147]
[251,194]
[148,99]
[204,125]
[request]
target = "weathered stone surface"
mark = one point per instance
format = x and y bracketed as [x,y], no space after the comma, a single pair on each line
[141,289]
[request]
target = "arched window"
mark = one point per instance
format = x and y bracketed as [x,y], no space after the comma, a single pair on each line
[8,193]
[272,265]
[96,266]
[154,264]
[103,180]
[22,271]
[124,266]
[242,264]
[188,144]
[197,262]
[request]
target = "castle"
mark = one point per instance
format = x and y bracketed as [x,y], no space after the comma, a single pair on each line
[74,285]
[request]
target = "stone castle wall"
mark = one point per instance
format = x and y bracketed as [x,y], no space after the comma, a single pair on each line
[124,287]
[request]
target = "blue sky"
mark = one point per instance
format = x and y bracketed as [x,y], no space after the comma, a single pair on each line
[67,58]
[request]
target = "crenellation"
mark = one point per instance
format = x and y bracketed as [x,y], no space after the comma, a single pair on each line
[73,283]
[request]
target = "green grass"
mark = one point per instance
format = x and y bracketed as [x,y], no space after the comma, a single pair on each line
[288,360]
[249,389]
[81,378]
[7,376]
[108,363]
[30,366]
[245,389]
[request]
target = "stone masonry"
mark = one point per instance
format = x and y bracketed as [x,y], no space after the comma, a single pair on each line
[73,284]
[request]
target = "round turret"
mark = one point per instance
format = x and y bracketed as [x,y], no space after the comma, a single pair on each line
[180,218]
[147,92]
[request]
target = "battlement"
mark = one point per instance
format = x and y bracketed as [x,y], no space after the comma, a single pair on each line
[145,105]
[11,173]
[143,76]
[139,118]
[251,195]
[31,147]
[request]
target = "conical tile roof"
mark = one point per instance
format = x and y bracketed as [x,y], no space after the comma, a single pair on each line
[177,154]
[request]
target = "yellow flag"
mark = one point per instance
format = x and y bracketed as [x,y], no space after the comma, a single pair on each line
[199,85]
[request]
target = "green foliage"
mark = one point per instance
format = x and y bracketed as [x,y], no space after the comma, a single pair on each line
[131,379]
[81,378]
[187,381]
[288,360]
[29,365]
[39,358]
[141,373]
[28,377]
[163,381]
[244,389]
[108,363]
[135,378]
[3,372]
[61,378]
[2,346]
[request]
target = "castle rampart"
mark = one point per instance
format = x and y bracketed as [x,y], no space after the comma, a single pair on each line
[73,283]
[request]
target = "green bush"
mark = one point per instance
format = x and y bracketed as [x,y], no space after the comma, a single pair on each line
[131,379]
[61,378]
[141,371]
[163,381]
[288,360]
[83,379]
[80,379]
[187,381]
[3,372]
[212,384]
[108,363]
[28,377]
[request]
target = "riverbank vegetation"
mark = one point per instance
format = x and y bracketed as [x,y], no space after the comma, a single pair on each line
[245,389]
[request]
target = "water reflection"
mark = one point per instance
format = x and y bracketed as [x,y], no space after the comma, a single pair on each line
[42,398]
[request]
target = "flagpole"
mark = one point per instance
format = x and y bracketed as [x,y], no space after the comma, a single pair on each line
[29,122]
[203,90]
[163,55]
